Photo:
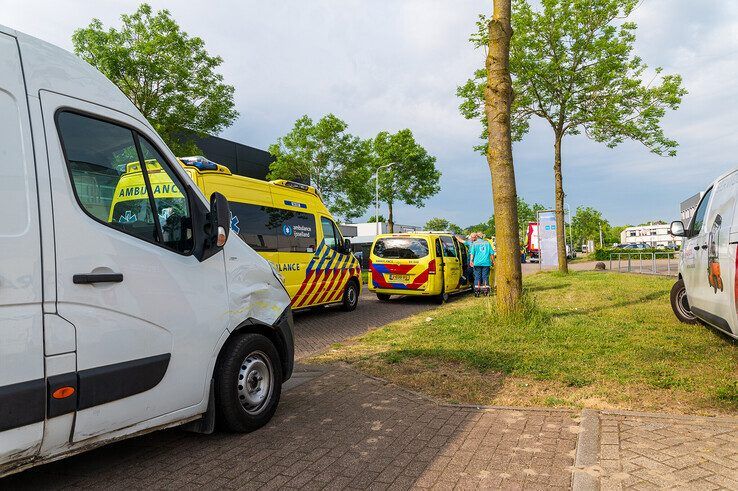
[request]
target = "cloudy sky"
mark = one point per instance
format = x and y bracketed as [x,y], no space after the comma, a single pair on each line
[393,64]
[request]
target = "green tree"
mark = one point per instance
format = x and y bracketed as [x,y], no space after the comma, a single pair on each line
[373,219]
[412,179]
[442,224]
[573,65]
[497,94]
[167,75]
[487,228]
[527,213]
[612,236]
[334,161]
[585,225]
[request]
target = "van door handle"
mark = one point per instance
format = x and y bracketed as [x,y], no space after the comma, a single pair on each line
[88,279]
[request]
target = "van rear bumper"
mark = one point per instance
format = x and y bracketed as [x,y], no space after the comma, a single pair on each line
[401,291]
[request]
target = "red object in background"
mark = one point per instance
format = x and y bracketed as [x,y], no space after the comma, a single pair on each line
[532,245]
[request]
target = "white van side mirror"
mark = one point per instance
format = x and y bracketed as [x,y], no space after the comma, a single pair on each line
[677,229]
[216,224]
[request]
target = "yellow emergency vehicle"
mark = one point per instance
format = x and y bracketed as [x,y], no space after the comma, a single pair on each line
[418,263]
[285,222]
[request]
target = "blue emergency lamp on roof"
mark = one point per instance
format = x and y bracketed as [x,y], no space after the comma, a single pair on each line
[200,163]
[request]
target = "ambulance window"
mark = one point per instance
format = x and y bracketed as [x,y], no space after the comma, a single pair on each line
[448,246]
[256,225]
[102,161]
[699,214]
[439,250]
[401,248]
[296,231]
[329,232]
[170,199]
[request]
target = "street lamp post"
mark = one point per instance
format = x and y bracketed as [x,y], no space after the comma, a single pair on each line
[571,236]
[376,193]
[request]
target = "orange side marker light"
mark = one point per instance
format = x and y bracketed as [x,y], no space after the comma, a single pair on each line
[63,392]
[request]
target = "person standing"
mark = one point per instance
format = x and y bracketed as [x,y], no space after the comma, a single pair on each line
[468,266]
[481,259]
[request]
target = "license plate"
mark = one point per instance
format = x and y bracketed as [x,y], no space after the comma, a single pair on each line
[400,278]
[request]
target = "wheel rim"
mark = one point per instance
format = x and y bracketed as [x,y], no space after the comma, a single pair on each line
[683,304]
[351,296]
[255,382]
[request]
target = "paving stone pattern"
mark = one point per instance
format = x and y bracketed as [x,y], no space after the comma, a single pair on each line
[662,452]
[340,430]
[316,329]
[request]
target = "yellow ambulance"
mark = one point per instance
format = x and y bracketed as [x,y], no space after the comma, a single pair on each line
[285,222]
[418,263]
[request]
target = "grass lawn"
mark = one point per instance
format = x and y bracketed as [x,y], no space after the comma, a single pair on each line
[598,340]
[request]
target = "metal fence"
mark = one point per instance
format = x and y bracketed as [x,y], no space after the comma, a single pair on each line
[661,263]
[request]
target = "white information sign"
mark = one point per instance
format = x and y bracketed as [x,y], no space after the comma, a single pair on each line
[547,238]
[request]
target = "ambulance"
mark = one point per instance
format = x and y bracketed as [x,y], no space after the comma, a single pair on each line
[707,286]
[289,225]
[126,305]
[427,264]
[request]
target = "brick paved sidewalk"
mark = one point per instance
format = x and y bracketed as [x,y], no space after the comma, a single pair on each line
[317,329]
[662,451]
[340,430]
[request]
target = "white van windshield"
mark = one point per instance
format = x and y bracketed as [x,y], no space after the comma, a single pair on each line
[401,248]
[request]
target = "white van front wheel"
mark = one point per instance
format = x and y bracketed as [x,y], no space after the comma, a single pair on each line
[248,382]
[680,303]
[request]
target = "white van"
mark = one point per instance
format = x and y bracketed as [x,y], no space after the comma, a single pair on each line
[706,288]
[112,325]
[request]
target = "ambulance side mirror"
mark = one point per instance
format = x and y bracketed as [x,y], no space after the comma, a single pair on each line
[677,229]
[217,225]
[346,246]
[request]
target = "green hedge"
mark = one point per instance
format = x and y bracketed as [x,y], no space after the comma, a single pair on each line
[604,254]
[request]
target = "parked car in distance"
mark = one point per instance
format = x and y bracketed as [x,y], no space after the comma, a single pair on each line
[706,287]
[636,246]
[418,263]
[118,317]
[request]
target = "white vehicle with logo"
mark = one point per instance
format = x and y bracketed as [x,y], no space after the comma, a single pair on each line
[116,324]
[706,289]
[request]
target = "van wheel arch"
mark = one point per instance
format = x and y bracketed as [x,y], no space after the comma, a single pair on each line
[252,326]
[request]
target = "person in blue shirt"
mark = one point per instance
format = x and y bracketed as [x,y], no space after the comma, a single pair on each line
[481,258]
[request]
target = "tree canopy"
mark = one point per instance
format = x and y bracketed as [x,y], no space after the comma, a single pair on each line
[168,75]
[412,179]
[334,161]
[442,224]
[572,64]
[585,225]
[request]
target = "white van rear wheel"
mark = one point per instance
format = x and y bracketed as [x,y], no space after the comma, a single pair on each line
[680,303]
[248,383]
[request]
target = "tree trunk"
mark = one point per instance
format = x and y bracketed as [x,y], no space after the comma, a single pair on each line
[390,220]
[559,186]
[498,100]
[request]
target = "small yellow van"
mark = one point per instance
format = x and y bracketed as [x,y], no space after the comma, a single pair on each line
[418,263]
[286,222]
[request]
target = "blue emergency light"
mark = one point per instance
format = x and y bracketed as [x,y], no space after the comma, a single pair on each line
[200,163]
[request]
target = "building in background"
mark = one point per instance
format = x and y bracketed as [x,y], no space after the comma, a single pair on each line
[688,207]
[240,159]
[653,235]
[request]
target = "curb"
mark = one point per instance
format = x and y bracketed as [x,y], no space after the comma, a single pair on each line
[690,418]
[587,453]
